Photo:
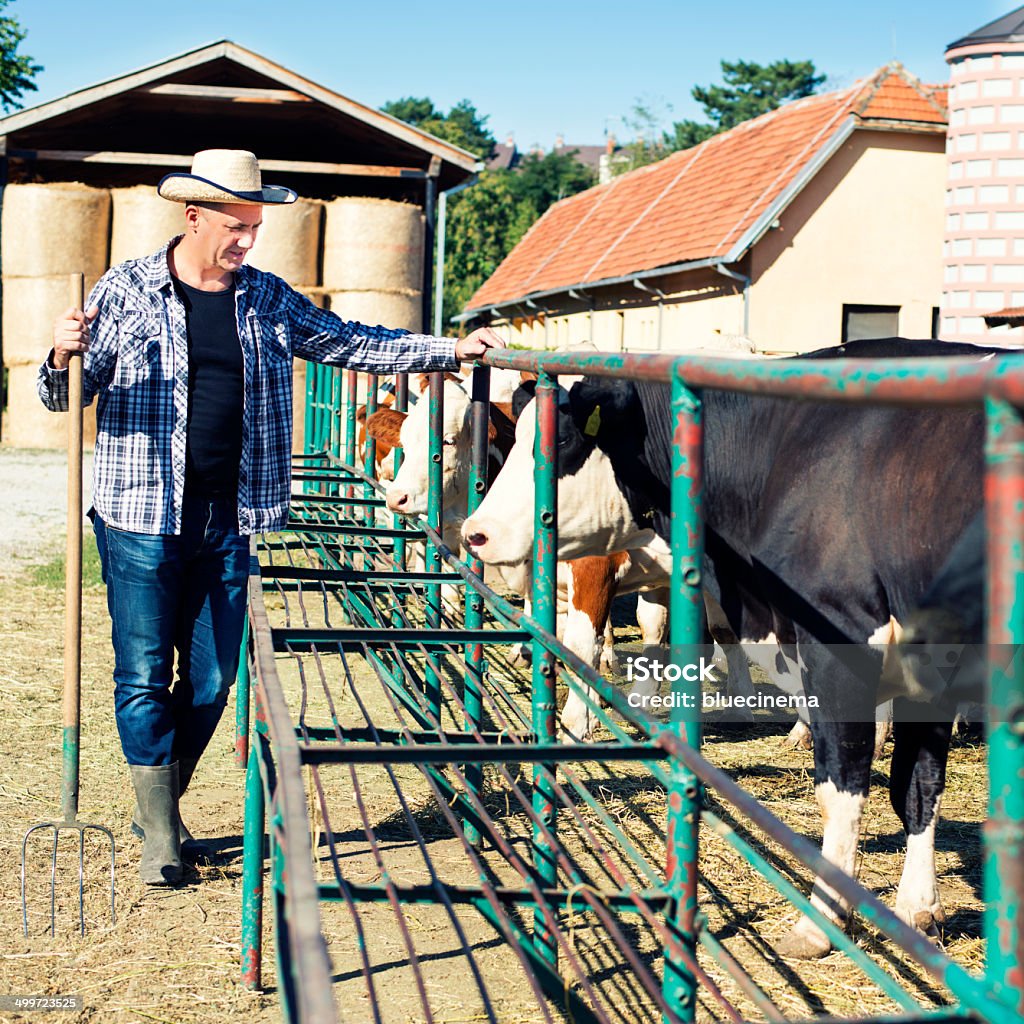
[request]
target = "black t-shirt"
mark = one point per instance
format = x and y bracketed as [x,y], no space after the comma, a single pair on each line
[215,386]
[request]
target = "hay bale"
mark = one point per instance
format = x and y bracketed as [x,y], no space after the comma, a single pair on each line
[55,229]
[141,222]
[29,424]
[30,305]
[373,245]
[298,405]
[391,309]
[288,243]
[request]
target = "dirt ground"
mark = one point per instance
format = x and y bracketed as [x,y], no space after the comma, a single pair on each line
[172,955]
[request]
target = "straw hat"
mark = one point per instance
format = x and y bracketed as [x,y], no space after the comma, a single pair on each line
[222,176]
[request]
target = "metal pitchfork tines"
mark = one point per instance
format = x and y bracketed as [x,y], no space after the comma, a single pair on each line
[72,661]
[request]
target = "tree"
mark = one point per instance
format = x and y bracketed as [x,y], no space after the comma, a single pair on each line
[484,223]
[462,126]
[16,70]
[540,181]
[750,90]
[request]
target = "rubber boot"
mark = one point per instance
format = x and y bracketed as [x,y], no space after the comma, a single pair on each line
[156,795]
[193,850]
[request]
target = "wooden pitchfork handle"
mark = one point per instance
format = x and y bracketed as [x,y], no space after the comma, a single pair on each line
[73,576]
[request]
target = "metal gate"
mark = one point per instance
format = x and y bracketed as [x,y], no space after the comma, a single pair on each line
[392,688]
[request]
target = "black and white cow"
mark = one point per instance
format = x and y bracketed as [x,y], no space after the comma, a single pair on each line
[825,523]
[942,640]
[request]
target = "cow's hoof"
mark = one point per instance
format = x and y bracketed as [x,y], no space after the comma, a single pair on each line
[799,737]
[927,920]
[576,732]
[610,663]
[519,656]
[804,941]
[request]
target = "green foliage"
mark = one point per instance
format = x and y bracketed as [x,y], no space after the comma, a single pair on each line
[487,220]
[462,126]
[51,574]
[687,134]
[484,223]
[753,89]
[750,90]
[16,70]
[540,181]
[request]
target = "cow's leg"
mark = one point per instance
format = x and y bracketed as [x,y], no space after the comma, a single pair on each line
[591,587]
[737,681]
[609,660]
[842,727]
[916,783]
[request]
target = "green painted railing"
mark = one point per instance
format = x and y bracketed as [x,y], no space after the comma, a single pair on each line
[328,534]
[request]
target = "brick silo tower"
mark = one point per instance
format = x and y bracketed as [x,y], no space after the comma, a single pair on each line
[984,247]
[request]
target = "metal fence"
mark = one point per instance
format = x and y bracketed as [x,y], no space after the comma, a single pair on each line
[341,593]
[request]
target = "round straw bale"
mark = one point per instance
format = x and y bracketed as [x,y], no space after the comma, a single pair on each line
[390,309]
[141,222]
[288,243]
[28,423]
[373,244]
[298,405]
[55,229]
[30,305]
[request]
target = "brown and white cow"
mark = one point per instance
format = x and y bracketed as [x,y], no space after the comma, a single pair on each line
[585,588]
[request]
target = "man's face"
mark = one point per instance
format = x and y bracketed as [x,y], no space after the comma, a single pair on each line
[226,232]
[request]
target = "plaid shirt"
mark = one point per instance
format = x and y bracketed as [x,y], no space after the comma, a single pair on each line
[137,367]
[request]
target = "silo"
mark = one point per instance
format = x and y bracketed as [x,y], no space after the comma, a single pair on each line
[984,239]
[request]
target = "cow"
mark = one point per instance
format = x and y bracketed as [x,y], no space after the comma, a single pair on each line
[585,588]
[942,640]
[824,525]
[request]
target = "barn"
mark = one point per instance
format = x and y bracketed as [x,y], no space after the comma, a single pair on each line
[78,176]
[818,221]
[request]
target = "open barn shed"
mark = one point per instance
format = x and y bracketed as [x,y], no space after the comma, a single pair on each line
[79,174]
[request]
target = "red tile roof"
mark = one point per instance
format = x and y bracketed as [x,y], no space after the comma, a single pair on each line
[698,203]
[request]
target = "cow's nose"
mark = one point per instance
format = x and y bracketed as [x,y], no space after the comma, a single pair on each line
[476,540]
[398,501]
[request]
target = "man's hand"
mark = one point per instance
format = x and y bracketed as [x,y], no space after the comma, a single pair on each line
[477,343]
[71,335]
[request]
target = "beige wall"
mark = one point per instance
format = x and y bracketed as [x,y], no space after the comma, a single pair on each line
[866,230]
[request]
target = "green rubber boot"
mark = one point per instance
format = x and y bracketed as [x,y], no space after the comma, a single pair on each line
[156,796]
[193,850]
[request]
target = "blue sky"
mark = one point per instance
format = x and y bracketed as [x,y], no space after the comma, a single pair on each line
[536,68]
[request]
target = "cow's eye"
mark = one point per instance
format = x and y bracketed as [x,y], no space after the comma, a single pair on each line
[449,440]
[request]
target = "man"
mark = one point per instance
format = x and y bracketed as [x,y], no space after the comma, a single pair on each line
[189,353]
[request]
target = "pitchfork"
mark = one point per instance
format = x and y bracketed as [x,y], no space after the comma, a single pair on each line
[72,659]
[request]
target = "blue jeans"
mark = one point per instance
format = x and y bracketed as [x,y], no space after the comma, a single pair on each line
[167,593]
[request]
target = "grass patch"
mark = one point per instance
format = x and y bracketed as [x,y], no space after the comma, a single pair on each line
[51,574]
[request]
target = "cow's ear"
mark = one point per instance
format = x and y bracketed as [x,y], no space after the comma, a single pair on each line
[522,396]
[386,425]
[602,406]
[361,414]
[492,431]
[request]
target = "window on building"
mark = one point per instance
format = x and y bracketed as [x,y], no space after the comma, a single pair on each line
[870,322]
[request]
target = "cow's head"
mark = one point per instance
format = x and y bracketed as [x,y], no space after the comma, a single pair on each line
[600,424]
[407,493]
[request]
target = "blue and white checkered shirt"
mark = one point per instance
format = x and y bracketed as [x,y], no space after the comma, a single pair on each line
[137,368]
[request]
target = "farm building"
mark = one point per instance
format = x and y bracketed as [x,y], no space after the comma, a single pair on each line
[80,173]
[818,221]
